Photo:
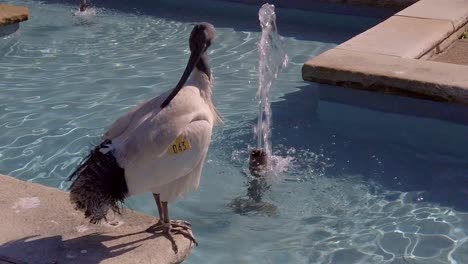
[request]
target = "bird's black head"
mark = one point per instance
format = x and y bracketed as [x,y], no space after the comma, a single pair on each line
[200,39]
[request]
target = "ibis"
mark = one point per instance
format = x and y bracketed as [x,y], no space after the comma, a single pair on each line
[160,146]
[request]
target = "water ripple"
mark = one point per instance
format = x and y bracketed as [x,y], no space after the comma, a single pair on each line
[65,79]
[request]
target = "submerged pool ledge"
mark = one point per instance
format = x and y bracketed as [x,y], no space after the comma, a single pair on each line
[39,225]
[10,14]
[392,56]
[10,17]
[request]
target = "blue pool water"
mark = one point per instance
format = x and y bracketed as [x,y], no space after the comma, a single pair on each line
[367,178]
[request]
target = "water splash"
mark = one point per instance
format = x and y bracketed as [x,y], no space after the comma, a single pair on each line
[262,165]
[88,13]
[272,59]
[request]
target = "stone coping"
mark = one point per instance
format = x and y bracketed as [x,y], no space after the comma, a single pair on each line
[39,225]
[455,11]
[384,58]
[399,36]
[379,3]
[414,31]
[10,14]
[390,74]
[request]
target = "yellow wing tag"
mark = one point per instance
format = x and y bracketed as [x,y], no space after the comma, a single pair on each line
[180,144]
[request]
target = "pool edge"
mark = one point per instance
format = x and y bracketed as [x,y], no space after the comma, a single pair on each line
[41,220]
[390,60]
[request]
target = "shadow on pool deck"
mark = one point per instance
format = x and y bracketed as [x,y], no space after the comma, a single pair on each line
[85,249]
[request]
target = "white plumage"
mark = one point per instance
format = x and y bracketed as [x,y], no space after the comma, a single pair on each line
[142,140]
[160,146]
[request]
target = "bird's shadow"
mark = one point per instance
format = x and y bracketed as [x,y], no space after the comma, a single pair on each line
[90,248]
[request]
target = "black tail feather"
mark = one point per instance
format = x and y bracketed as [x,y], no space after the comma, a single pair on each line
[98,184]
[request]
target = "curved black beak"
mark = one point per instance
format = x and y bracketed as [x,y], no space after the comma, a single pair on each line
[193,60]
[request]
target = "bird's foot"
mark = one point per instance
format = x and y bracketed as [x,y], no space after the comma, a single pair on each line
[177,227]
[174,227]
[156,228]
[181,224]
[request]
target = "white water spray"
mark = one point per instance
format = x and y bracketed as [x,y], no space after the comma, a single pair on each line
[272,59]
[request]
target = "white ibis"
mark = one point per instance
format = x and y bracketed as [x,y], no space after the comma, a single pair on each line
[160,147]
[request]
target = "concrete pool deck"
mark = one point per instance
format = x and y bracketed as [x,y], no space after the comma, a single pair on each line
[39,225]
[392,57]
[457,53]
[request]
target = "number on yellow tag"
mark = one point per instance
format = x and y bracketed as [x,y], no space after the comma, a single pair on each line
[180,144]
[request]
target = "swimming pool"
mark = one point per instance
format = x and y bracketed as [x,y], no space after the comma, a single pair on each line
[370,178]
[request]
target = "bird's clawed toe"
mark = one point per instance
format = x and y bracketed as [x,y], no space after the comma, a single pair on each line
[181,224]
[187,234]
[174,227]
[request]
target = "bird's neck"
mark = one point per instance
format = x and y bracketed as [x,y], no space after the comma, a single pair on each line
[203,80]
[201,77]
[203,66]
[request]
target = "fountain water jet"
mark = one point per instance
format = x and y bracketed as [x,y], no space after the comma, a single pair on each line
[272,59]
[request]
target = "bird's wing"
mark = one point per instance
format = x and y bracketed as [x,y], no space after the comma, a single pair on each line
[180,159]
[122,123]
[180,187]
[152,129]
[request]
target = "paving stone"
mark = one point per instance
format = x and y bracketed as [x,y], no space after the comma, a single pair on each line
[398,36]
[455,11]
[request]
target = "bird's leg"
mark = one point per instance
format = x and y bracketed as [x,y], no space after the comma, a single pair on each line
[167,228]
[178,224]
[170,227]
[174,227]
[157,199]
[160,224]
